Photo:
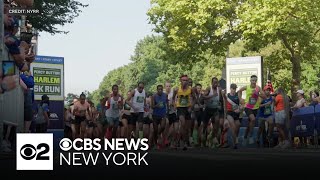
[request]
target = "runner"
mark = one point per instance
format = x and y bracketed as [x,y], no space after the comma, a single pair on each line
[198,106]
[101,119]
[147,120]
[213,102]
[81,109]
[173,125]
[137,101]
[90,120]
[182,97]
[114,104]
[159,103]
[253,92]
[266,117]
[233,113]
[125,118]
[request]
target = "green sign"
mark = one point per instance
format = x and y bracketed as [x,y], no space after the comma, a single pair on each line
[47,81]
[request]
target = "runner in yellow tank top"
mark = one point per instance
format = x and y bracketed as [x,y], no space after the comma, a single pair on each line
[182,97]
[253,92]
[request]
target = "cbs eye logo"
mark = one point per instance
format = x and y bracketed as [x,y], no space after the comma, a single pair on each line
[28,151]
[65,144]
[34,151]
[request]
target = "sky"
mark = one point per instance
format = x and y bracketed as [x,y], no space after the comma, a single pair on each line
[101,39]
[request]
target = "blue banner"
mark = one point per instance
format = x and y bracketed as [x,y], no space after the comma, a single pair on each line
[302,122]
[317,114]
[49,59]
[56,109]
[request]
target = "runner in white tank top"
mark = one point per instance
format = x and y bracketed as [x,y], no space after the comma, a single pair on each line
[137,101]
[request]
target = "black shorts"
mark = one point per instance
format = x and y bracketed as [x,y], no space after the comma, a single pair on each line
[183,111]
[251,111]
[67,130]
[120,124]
[234,115]
[147,120]
[90,124]
[172,118]
[157,119]
[78,119]
[199,116]
[127,117]
[136,117]
[211,113]
[28,114]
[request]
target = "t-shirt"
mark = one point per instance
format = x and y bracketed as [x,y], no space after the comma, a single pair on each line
[279,103]
[40,114]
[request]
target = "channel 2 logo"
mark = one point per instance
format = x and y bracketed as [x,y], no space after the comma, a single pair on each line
[34,151]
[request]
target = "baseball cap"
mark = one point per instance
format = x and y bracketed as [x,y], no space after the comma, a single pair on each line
[300,91]
[266,87]
[233,86]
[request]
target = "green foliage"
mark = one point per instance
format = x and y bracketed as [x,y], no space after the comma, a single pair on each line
[285,32]
[54,12]
[153,63]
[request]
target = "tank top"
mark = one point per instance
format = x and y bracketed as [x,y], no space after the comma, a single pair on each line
[234,99]
[198,101]
[162,102]
[113,110]
[214,102]
[183,97]
[266,111]
[138,100]
[252,96]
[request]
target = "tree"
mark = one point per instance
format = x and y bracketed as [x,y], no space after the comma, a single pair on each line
[54,12]
[196,26]
[295,23]
[70,97]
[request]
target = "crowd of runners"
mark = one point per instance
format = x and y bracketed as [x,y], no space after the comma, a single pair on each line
[187,116]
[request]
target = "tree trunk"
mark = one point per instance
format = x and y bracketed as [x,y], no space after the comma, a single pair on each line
[296,74]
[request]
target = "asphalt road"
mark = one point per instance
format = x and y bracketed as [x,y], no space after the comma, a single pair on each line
[193,162]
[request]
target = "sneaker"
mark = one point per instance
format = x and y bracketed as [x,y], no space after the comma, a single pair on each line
[251,140]
[278,146]
[286,145]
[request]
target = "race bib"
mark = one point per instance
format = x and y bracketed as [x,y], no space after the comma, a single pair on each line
[183,100]
[161,105]
[252,101]
[267,110]
[114,106]
[140,99]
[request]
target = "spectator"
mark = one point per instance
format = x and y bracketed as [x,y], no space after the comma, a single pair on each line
[301,101]
[42,118]
[27,78]
[315,98]
[282,117]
